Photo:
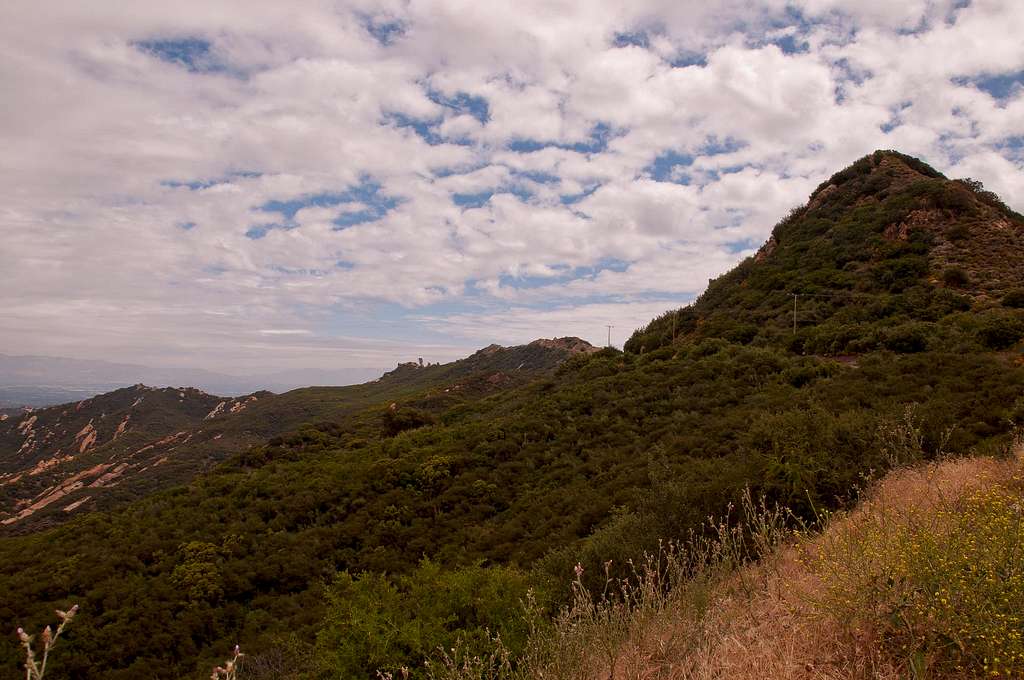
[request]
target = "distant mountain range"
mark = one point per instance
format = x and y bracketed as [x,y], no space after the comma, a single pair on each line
[43,381]
[104,450]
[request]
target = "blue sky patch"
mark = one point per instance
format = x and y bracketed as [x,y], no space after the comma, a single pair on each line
[688,59]
[258,231]
[460,103]
[791,27]
[463,103]
[385,31]
[194,54]
[664,167]
[600,135]
[632,38]
[791,44]
[895,117]
[424,128]
[1012,147]
[200,184]
[517,187]
[538,177]
[737,247]
[569,199]
[1000,87]
[474,200]
[367,193]
[604,264]
[564,274]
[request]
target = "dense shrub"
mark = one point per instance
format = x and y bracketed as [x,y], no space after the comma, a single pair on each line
[958,232]
[999,331]
[400,419]
[955,277]
[381,623]
[1014,299]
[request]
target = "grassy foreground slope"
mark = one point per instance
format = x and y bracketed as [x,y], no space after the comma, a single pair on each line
[924,578]
[364,543]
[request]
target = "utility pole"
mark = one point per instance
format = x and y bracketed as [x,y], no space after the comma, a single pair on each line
[610,335]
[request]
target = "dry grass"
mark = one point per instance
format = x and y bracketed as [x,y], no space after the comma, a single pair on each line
[762,623]
[774,619]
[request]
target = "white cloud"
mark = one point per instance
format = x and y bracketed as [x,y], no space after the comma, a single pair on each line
[133,180]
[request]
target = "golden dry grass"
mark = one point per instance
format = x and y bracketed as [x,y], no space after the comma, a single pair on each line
[765,620]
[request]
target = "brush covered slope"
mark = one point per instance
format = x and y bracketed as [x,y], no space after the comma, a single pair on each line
[365,543]
[101,452]
[62,457]
[886,254]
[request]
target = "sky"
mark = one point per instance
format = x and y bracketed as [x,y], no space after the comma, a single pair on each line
[260,185]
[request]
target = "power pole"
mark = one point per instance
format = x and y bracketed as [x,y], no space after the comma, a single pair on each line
[610,335]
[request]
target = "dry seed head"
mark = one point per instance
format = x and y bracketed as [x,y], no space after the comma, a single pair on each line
[66,616]
[47,636]
[23,636]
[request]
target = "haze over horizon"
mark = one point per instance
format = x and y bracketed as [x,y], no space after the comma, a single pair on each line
[259,187]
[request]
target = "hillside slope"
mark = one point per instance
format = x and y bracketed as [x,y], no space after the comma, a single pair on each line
[919,579]
[67,455]
[886,254]
[113,448]
[366,541]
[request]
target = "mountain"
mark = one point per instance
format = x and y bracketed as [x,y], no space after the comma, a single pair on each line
[63,457]
[886,254]
[371,526]
[38,381]
[105,450]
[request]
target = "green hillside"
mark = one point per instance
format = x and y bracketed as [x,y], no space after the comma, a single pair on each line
[102,452]
[368,538]
[886,254]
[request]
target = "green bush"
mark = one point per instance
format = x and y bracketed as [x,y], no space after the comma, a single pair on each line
[907,338]
[400,419]
[999,331]
[1014,299]
[958,232]
[955,277]
[381,623]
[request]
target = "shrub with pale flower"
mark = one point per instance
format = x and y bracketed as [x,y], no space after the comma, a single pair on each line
[35,667]
[229,671]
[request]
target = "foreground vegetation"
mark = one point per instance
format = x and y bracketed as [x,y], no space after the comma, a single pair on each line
[922,579]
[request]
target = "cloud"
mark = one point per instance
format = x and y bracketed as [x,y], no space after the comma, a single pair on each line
[199,182]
